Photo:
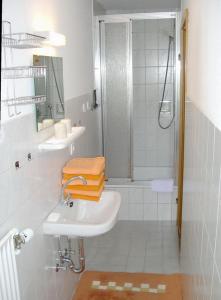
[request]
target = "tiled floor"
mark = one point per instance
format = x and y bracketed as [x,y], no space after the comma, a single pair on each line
[135,246]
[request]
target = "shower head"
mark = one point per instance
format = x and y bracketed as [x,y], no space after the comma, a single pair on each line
[171,38]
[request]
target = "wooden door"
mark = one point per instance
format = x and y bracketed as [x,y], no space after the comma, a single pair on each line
[183,87]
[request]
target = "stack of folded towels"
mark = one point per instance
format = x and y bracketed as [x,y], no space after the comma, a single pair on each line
[92,169]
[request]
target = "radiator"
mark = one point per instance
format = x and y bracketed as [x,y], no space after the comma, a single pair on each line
[9,288]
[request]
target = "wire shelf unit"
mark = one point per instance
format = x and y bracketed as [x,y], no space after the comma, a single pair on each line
[24,72]
[22,40]
[25,100]
[12,41]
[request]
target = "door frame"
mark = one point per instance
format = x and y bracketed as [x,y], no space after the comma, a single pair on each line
[183,93]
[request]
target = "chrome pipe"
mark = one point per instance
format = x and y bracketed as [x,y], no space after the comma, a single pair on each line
[65,259]
[81,257]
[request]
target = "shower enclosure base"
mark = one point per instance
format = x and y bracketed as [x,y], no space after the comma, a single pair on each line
[139,202]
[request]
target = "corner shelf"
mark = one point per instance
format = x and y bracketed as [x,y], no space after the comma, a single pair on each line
[22,40]
[24,72]
[53,144]
[25,100]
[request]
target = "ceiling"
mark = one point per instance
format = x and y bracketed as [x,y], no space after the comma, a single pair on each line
[130,5]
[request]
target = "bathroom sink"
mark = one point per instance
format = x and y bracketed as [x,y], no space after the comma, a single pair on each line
[84,218]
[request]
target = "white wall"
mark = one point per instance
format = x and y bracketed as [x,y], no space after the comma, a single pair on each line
[98,9]
[74,20]
[129,6]
[204,60]
[29,194]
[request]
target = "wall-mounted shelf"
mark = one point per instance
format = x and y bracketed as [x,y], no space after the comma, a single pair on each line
[22,40]
[24,72]
[25,100]
[55,144]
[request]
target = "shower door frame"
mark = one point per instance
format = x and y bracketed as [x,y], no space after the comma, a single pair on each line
[102,22]
[128,18]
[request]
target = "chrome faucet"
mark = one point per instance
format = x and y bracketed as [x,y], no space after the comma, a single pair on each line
[67,200]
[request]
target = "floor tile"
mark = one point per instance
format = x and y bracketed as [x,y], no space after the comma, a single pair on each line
[135,264]
[135,246]
[153,264]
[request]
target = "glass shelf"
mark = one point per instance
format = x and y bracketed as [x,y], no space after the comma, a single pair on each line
[25,100]
[22,40]
[54,144]
[24,72]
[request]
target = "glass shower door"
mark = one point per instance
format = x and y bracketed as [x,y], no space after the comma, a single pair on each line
[116,103]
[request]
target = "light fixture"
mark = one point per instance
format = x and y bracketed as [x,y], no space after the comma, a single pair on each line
[53,38]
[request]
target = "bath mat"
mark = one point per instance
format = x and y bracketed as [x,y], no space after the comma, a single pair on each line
[128,286]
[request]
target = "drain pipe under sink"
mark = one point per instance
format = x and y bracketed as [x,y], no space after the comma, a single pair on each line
[80,255]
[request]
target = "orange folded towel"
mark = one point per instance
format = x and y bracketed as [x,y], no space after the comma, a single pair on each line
[86,195]
[87,188]
[90,182]
[85,166]
[93,193]
[92,169]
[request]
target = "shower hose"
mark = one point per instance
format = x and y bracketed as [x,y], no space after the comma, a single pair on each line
[171,39]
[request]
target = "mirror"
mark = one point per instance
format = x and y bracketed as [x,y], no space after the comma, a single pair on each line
[52,110]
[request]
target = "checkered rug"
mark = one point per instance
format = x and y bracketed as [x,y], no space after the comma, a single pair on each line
[128,286]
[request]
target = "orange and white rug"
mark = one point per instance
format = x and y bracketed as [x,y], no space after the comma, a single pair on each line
[128,286]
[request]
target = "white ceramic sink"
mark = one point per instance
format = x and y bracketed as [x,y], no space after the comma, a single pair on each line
[84,218]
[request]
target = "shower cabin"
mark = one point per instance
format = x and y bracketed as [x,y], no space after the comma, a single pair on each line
[136,73]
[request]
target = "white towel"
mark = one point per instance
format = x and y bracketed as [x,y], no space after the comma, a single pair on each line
[162,185]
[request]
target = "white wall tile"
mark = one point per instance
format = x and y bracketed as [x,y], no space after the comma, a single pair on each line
[138,58]
[139,142]
[150,212]
[163,40]
[151,26]
[151,41]
[173,212]
[152,93]
[164,212]
[136,195]
[139,75]
[140,110]
[150,196]
[201,207]
[161,150]
[139,157]
[138,26]
[138,41]
[166,26]
[151,57]
[140,124]
[151,75]
[139,93]
[136,211]
[162,73]
[147,173]
[164,198]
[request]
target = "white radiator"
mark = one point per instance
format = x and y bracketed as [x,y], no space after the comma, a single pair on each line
[9,289]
